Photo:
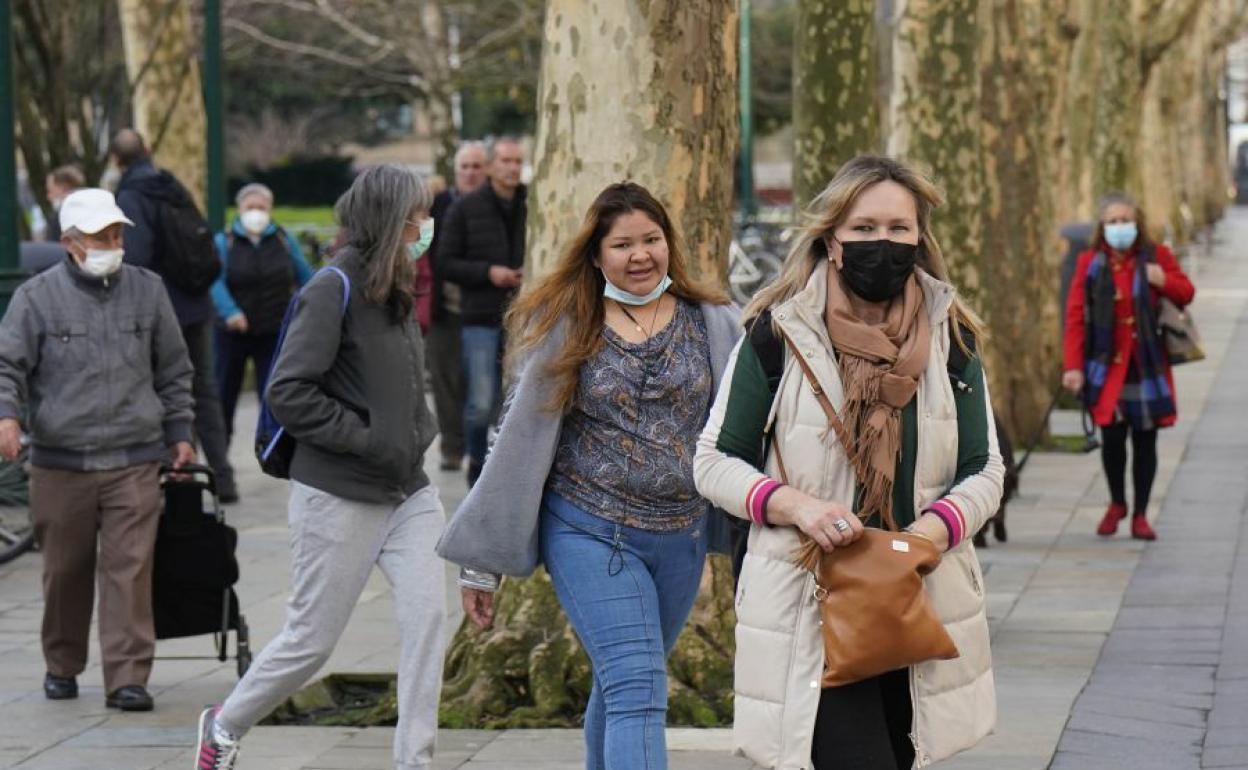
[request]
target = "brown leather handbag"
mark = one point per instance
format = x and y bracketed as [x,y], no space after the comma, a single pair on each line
[875,613]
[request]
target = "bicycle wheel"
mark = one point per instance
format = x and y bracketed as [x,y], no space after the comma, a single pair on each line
[17,531]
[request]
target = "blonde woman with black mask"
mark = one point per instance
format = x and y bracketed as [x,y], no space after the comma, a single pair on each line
[864,302]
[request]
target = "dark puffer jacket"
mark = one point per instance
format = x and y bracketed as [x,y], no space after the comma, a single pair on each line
[481,232]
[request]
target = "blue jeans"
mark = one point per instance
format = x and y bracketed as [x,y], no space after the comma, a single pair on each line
[628,593]
[482,382]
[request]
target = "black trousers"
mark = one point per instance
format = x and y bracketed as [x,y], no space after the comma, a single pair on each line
[1143,463]
[444,354]
[233,352]
[865,725]
[209,424]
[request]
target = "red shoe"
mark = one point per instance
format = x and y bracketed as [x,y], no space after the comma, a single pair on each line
[1141,529]
[1109,523]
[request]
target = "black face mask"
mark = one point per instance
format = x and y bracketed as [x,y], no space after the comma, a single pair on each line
[877,270]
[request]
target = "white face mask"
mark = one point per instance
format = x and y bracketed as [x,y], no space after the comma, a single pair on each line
[255,221]
[102,262]
[611,291]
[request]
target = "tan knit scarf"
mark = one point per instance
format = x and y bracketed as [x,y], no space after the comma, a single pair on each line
[880,369]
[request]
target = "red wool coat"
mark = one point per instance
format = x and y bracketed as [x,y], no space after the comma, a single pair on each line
[1177,288]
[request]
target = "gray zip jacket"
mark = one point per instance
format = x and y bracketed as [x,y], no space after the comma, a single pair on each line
[101,366]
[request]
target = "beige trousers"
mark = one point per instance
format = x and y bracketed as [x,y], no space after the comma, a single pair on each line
[98,525]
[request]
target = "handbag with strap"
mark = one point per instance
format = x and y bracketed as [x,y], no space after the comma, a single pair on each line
[875,610]
[1178,334]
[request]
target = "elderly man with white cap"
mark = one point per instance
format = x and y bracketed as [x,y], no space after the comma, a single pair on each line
[93,362]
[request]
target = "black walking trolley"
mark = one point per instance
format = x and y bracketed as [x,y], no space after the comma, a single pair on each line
[195,568]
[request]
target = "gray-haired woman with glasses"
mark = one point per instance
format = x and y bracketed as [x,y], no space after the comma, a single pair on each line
[348,386]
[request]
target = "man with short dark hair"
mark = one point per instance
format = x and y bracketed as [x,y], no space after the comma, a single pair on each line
[61,181]
[444,346]
[92,360]
[488,267]
[139,195]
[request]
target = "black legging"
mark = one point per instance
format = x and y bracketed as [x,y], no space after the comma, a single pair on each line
[1143,463]
[865,725]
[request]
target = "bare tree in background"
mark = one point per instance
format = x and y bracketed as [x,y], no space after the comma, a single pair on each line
[70,83]
[168,103]
[418,50]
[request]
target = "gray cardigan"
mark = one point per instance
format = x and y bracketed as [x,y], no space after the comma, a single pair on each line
[496,527]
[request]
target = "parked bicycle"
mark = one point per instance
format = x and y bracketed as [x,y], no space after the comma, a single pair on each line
[755,257]
[17,531]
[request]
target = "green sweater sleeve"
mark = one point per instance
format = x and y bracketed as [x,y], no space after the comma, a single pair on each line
[742,433]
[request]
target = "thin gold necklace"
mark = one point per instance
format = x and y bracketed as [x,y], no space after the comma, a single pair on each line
[653,320]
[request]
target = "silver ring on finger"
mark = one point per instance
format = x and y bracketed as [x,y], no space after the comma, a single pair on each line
[842,526]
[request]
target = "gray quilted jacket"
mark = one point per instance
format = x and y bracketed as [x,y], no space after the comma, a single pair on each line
[96,368]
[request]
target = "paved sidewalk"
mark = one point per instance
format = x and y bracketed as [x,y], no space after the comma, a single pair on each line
[1152,667]
[1170,690]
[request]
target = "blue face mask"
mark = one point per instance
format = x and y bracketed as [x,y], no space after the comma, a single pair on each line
[419,246]
[1121,235]
[611,291]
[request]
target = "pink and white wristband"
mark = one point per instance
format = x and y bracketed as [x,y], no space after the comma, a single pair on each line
[756,499]
[952,516]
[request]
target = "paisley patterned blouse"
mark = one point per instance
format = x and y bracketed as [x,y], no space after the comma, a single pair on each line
[626,449]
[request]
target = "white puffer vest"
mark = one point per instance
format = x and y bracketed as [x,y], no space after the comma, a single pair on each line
[779,648]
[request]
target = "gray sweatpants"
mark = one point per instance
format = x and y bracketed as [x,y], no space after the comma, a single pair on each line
[334,545]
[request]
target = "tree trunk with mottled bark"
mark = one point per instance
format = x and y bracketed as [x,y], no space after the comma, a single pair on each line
[1131,36]
[644,91]
[162,65]
[835,107]
[634,90]
[1024,61]
[935,116]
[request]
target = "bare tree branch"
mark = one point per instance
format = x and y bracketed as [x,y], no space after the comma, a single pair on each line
[1163,24]
[367,65]
[324,10]
[1233,26]
[166,16]
[504,33]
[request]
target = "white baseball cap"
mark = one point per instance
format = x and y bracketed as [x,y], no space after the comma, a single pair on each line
[90,210]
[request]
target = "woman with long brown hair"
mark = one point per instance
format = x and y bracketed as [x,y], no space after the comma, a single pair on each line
[861,322]
[616,355]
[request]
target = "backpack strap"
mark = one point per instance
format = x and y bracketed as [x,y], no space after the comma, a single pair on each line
[959,359]
[346,286]
[769,349]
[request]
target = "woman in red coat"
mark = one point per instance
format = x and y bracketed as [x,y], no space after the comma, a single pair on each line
[1114,355]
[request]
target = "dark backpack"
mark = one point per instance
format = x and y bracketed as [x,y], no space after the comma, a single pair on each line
[186,256]
[275,448]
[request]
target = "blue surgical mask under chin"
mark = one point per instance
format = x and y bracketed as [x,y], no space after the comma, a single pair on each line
[611,291]
[1121,235]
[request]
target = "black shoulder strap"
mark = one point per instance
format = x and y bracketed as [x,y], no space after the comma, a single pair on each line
[959,359]
[769,348]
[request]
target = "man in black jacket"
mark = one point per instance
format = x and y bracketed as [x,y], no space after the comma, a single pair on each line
[443,342]
[141,183]
[481,249]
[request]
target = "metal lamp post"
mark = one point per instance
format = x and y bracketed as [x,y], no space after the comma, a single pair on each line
[10,259]
[749,205]
[213,108]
